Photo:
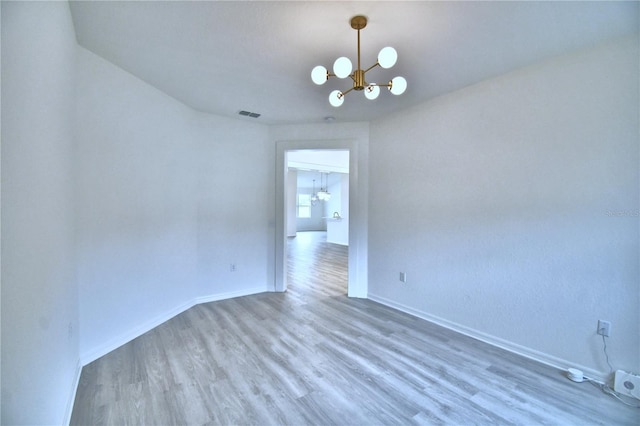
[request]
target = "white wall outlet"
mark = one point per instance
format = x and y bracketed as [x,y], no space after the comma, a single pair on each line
[627,384]
[604,328]
[403,277]
[232,267]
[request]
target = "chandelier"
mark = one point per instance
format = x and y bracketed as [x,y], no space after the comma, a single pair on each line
[342,69]
[324,194]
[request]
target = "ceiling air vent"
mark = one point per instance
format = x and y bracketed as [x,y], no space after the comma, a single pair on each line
[249,114]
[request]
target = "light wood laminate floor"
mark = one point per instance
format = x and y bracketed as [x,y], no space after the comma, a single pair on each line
[313,356]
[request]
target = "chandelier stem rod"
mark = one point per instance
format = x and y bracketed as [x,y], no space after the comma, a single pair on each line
[358,49]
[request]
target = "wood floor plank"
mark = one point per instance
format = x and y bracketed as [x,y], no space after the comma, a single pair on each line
[314,356]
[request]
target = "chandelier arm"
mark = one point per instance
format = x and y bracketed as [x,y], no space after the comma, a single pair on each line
[372,67]
[347,91]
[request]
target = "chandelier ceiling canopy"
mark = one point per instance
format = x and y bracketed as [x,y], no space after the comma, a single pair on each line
[342,68]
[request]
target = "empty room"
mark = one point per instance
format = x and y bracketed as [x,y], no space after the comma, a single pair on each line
[320,212]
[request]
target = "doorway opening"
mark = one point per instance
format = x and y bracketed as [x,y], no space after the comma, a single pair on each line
[357,223]
[317,221]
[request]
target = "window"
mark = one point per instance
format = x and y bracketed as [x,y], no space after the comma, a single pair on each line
[304,205]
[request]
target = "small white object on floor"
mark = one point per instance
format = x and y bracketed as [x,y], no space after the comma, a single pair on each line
[575,375]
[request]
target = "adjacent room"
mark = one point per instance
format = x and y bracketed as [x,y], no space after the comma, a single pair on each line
[177,248]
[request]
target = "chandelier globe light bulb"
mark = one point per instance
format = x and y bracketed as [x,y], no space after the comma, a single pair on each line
[342,67]
[372,91]
[387,57]
[398,85]
[336,98]
[319,75]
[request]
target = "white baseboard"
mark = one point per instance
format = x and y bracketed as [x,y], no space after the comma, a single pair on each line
[229,295]
[128,336]
[72,394]
[544,358]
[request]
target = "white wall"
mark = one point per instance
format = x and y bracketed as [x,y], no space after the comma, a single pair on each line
[164,206]
[497,201]
[136,208]
[235,200]
[39,291]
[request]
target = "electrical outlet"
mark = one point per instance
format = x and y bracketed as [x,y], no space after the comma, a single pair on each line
[604,328]
[403,277]
[232,267]
[627,384]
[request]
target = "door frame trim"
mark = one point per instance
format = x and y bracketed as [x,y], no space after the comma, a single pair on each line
[357,286]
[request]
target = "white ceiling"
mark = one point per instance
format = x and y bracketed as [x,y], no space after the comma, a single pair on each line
[226,56]
[311,162]
[325,160]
